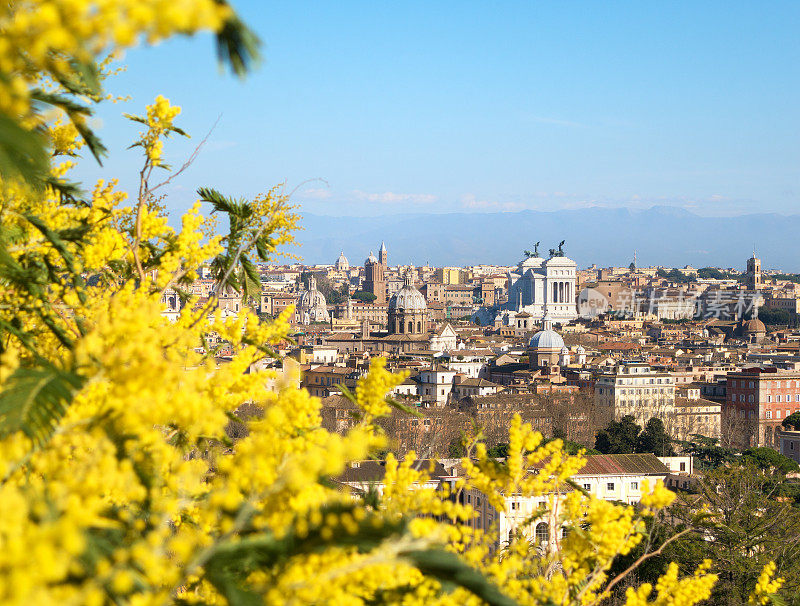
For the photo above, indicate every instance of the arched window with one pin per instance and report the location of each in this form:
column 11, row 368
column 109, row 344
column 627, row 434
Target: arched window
column 542, row 533
column 410, row 326
column 400, row 325
column 419, row 326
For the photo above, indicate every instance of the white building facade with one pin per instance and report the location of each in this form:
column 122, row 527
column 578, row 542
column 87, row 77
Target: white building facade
column 610, row 477
column 636, row 389
column 544, row 286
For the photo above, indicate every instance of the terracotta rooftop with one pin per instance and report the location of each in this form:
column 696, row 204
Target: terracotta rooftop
column 374, row 471
column 623, row 464
column 477, row 383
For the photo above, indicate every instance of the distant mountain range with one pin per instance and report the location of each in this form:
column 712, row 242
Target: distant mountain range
column 661, row 236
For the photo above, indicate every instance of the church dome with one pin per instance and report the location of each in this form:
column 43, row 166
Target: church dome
column 342, row 264
column 371, row 259
column 547, row 338
column 754, row 326
column 312, row 305
column 309, row 299
column 407, row 298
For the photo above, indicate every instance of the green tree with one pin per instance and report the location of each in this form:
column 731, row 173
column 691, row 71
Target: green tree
column 776, row 317
column 338, row 295
column 768, row 458
column 498, row 451
column 654, row 438
column 751, row 524
column 618, row 437
column 456, row 448
column 362, row 295
column 674, row 275
column 792, row 421
column 707, row 452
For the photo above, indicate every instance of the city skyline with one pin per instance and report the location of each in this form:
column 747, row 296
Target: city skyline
column 662, row 236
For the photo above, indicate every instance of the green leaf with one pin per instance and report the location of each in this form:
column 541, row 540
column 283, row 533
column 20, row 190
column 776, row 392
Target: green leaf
column 237, row 45
column 77, row 114
column 231, row 562
column 35, row 399
column 262, row 249
column 57, row 100
column 251, row 279
column 220, row 203
column 228, row 586
column 23, row 154
column 450, row 570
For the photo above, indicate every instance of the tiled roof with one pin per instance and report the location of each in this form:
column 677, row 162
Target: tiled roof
column 623, row 464
column 374, row 471
column 336, row 370
column 477, row 383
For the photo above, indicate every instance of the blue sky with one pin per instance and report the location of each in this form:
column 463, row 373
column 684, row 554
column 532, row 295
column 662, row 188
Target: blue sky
column 486, row 106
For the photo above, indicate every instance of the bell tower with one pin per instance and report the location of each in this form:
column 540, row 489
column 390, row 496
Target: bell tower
column 754, row 273
column 383, row 256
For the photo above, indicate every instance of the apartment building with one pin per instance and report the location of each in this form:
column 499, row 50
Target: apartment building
column 762, row 398
column 634, row 388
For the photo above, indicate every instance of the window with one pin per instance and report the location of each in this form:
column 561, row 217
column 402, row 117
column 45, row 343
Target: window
column 634, row 485
column 778, row 398
column 610, row 486
column 587, row 486
column 542, row 533
column 477, row 501
column 750, row 398
column 769, row 414
column 683, row 466
column 769, row 398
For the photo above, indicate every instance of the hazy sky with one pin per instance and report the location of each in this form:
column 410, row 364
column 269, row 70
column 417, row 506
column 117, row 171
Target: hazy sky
column 476, row 106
